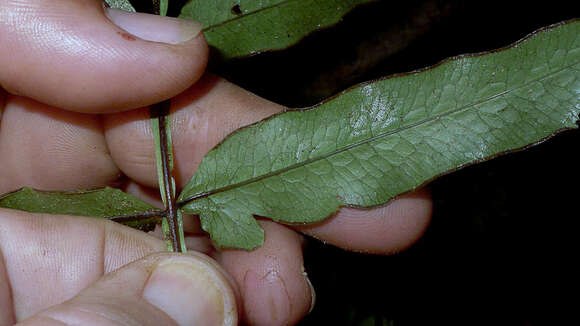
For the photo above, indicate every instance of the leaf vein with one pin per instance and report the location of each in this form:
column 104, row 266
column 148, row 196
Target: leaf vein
column 377, row 137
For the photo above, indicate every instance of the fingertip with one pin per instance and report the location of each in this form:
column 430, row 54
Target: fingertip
column 160, row 289
column 154, row 28
column 130, row 140
column 192, row 291
column 274, row 287
column 383, row 230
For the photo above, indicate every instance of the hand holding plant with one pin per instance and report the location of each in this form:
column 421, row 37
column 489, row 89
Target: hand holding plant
column 69, row 55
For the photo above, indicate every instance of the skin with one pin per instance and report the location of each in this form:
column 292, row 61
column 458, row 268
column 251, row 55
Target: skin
column 50, row 137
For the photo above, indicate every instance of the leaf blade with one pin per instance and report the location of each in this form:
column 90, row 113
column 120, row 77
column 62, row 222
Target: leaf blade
column 102, row 203
column 241, row 28
column 387, row 137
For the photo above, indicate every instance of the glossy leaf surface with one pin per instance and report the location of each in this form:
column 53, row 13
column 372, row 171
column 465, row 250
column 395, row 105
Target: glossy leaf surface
column 104, row 203
column 238, row 28
column 387, row 137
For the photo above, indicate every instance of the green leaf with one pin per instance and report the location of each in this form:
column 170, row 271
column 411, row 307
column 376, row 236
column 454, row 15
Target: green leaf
column 121, row 4
column 387, row 137
column 239, row 28
column 104, row 203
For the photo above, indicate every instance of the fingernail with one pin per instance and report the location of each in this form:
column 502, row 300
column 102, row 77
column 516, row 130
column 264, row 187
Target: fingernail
column 155, row 28
column 188, row 291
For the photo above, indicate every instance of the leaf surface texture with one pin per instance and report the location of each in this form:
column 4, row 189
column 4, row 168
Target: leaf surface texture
column 387, row 137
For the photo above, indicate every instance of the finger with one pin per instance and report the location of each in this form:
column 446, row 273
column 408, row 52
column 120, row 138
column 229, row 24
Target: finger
column 50, row 258
column 161, row 289
column 76, row 55
column 201, row 117
column 271, row 279
column 51, row 149
column 46, row 268
column 383, row 230
column 146, row 194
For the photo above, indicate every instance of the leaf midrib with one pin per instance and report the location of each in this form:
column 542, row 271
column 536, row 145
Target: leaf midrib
column 187, row 200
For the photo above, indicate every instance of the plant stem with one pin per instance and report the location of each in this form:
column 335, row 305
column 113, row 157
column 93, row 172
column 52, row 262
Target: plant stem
column 168, row 182
column 172, row 223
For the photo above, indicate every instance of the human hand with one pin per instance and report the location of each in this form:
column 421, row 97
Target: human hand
column 273, row 287
column 62, row 270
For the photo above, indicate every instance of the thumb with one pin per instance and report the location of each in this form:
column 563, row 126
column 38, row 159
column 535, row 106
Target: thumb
column 161, row 289
column 78, row 55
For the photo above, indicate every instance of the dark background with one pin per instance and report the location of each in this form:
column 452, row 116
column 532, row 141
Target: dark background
column 502, row 246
